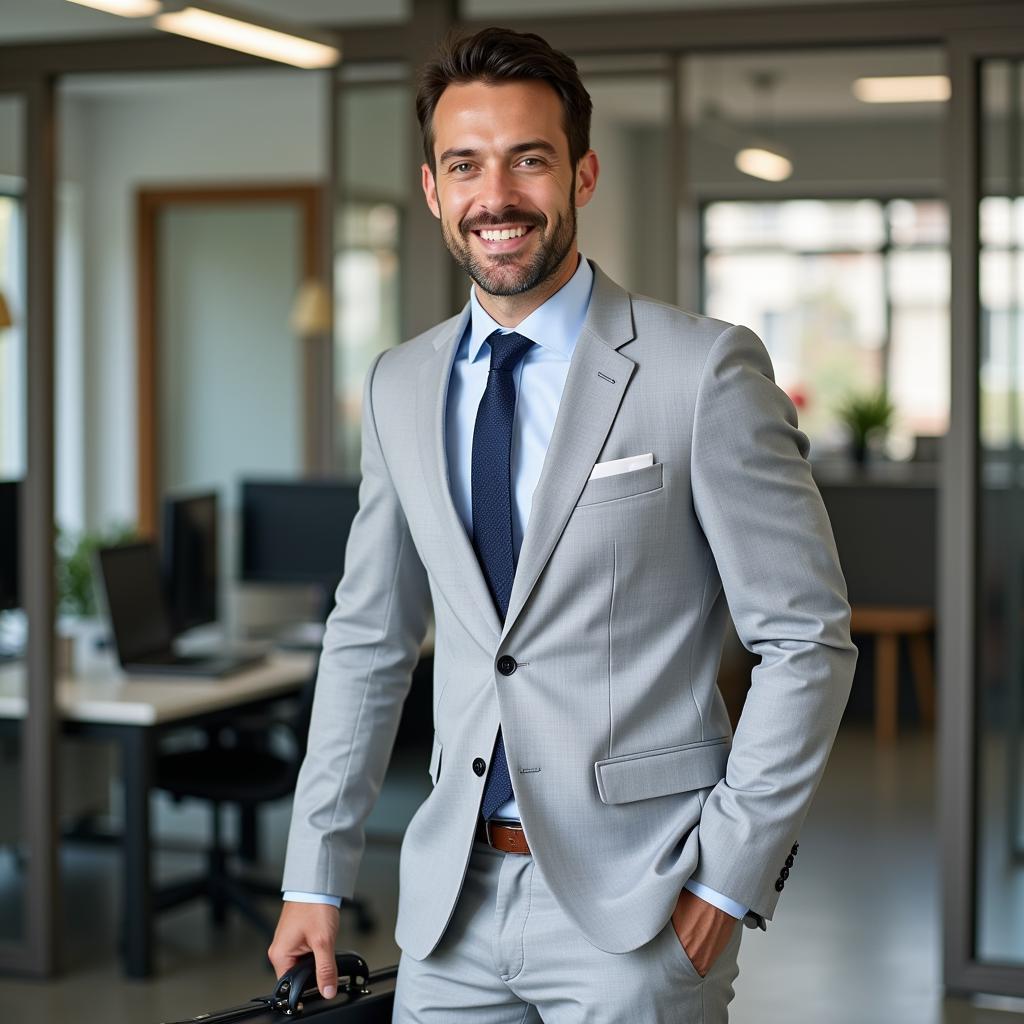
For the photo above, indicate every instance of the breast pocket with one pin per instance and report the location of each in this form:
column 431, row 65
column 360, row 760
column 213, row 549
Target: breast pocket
column 622, row 485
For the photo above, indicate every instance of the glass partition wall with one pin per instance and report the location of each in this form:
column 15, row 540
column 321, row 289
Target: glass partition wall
column 982, row 538
column 12, row 473
column 999, row 853
column 378, row 177
column 27, row 841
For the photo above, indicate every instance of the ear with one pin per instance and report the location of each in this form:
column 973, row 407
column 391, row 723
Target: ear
column 430, row 190
column 587, row 171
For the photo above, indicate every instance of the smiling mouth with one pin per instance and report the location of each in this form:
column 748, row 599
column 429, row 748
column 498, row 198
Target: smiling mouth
column 505, row 237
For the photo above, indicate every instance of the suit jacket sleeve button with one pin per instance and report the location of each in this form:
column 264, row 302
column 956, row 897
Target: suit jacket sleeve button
column 789, row 861
column 779, row 885
column 784, row 874
column 479, row 765
column 507, row 665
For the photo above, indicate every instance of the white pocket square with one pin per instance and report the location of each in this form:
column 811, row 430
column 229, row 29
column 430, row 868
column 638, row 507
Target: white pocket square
column 622, row 465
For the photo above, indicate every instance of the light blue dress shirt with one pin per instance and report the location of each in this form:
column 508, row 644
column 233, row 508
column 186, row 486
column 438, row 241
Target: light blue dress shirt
column 540, row 378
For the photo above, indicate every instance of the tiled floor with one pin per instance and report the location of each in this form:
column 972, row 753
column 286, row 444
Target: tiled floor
column 855, row 939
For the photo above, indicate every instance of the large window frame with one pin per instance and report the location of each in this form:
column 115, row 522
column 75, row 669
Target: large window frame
column 884, row 251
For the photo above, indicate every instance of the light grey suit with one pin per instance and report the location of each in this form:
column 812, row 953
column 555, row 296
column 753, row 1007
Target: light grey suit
column 621, row 755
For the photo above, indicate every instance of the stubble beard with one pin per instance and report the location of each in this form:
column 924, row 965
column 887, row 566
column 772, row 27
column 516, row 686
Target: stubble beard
column 491, row 273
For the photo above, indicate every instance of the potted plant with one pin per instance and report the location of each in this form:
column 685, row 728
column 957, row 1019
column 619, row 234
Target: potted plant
column 867, row 416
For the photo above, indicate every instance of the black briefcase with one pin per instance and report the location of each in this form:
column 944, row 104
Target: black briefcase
column 363, row 997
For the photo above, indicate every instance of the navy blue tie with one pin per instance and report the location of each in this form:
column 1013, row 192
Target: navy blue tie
column 491, row 477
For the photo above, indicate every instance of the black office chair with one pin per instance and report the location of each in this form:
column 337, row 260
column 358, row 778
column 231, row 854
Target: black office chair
column 237, row 766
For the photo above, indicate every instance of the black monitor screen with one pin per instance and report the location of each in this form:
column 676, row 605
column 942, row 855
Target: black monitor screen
column 189, row 556
column 9, row 561
column 296, row 532
column 135, row 599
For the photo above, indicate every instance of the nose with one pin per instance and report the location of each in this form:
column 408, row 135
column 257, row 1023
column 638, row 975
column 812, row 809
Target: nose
column 497, row 191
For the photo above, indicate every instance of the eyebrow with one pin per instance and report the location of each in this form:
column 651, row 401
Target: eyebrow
column 519, row 147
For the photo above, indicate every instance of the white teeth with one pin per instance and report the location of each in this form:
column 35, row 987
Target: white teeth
column 499, row 236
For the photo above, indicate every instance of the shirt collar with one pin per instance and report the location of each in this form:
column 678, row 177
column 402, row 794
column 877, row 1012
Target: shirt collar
column 555, row 324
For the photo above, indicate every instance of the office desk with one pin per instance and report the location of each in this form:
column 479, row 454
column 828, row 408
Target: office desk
column 133, row 712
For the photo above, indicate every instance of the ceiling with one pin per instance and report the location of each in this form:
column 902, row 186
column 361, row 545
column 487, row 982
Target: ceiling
column 23, row 21
column 810, row 86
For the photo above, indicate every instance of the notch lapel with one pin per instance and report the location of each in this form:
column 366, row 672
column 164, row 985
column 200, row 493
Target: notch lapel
column 462, row 580
column 594, row 387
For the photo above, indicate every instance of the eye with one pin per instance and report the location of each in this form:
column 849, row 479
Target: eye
column 533, row 160
column 460, row 168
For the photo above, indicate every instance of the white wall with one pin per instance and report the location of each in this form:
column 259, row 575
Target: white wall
column 163, row 130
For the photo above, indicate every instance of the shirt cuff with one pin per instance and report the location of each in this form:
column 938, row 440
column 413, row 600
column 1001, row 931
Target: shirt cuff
column 716, row 899
column 311, row 897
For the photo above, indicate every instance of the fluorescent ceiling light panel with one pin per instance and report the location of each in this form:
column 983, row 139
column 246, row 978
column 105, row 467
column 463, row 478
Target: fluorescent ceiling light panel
column 232, row 31
column 903, row 89
column 764, row 164
column 126, row 8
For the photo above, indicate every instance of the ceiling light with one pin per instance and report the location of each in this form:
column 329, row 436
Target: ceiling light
column 126, row 8
column 236, row 31
column 903, row 89
column 764, row 163
column 761, row 158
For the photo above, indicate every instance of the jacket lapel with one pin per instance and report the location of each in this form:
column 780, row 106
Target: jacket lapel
column 458, row 571
column 594, row 388
column 596, row 382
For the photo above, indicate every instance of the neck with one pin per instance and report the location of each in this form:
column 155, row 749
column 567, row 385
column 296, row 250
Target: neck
column 512, row 310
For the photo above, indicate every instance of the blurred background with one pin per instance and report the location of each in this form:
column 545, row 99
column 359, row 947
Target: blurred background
column 202, row 248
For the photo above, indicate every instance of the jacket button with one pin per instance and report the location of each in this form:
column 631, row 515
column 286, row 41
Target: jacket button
column 507, row 665
column 784, row 874
column 479, row 765
column 789, row 861
column 779, row 885
column 796, row 846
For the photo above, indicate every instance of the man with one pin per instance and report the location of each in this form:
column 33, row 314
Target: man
column 582, row 483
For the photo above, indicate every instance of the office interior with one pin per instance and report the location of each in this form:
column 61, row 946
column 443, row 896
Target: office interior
column 201, row 251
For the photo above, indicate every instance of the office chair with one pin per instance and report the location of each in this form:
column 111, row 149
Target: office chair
column 237, row 766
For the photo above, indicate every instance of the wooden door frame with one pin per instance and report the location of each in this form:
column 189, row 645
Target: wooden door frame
column 151, row 203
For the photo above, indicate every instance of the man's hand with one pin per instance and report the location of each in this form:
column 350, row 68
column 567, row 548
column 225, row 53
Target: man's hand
column 307, row 928
column 703, row 930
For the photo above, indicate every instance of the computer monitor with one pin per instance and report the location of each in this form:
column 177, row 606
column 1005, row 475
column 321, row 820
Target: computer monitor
column 189, row 559
column 296, row 531
column 10, row 596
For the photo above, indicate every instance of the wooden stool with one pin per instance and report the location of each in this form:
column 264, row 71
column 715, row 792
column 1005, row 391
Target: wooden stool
column 888, row 624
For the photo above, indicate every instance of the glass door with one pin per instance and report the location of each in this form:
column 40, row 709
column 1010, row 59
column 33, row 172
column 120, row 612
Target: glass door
column 983, row 533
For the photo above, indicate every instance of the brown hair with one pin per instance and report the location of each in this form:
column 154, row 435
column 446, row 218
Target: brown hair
column 501, row 55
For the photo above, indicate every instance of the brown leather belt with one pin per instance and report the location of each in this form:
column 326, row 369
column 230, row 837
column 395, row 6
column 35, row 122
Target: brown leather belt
column 507, row 836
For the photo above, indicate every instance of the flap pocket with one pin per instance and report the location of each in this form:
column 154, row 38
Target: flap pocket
column 435, row 760
column 622, row 485
column 662, row 771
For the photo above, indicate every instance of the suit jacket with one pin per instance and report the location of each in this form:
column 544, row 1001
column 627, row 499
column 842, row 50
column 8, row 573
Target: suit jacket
column 622, row 759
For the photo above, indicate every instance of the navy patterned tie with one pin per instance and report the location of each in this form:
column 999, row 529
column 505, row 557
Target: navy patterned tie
column 492, row 509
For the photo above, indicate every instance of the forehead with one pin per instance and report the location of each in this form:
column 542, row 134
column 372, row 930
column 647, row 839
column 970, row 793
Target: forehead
column 482, row 115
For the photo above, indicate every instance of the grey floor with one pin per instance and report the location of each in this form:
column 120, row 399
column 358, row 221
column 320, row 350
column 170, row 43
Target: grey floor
column 855, row 938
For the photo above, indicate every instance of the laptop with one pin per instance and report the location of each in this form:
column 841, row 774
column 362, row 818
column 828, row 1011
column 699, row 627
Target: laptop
column 141, row 620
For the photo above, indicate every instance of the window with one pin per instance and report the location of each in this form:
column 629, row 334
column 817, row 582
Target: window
column 848, row 296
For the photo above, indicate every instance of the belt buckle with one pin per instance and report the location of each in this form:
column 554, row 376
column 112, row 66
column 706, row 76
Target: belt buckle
column 505, row 822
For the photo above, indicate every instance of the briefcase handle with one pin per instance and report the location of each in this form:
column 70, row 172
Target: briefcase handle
column 299, row 982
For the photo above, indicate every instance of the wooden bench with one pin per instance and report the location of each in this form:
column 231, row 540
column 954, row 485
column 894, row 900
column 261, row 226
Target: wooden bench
column 887, row 625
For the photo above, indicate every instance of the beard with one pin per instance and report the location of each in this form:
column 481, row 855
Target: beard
column 501, row 273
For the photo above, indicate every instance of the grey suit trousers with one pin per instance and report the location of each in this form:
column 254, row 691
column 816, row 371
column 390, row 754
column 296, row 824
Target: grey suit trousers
column 511, row 956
